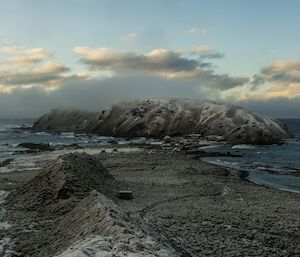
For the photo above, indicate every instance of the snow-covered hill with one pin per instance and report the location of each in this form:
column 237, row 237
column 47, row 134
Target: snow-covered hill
column 160, row 117
column 64, row 120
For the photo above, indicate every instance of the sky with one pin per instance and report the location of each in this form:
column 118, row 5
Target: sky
column 90, row 54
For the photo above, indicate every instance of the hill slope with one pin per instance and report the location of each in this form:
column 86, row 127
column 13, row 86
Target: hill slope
column 64, row 120
column 161, row 117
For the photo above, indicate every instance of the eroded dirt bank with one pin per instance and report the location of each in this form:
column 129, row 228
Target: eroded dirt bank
column 179, row 204
column 64, row 211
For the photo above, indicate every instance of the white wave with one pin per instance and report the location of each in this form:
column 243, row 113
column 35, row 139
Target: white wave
column 243, row 147
column 67, row 135
column 210, row 146
column 42, row 134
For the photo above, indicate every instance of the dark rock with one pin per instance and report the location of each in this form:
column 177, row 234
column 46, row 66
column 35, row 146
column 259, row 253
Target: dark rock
column 36, row 146
column 125, row 195
column 113, row 142
column 167, row 139
column 76, row 146
column 202, row 153
column 6, row 162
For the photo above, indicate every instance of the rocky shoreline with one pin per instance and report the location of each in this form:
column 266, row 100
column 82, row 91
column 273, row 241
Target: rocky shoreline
column 180, row 207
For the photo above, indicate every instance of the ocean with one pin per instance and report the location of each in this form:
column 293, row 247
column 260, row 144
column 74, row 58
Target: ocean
column 276, row 166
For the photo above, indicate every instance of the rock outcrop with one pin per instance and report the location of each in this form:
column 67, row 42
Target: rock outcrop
column 177, row 117
column 36, row 146
column 161, row 117
column 64, row 120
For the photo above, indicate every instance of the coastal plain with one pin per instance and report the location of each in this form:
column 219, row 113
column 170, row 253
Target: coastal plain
column 185, row 206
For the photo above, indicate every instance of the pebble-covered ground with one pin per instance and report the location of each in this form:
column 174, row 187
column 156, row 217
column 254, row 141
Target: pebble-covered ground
column 196, row 208
column 206, row 211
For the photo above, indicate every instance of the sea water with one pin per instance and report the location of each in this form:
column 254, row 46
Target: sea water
column 275, row 166
column 12, row 133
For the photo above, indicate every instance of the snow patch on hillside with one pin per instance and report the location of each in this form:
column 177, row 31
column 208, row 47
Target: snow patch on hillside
column 160, row 117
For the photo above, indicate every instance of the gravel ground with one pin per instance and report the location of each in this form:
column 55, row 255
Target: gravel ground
column 204, row 210
column 196, row 208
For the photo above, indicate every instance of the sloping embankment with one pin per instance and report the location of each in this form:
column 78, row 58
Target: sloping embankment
column 61, row 212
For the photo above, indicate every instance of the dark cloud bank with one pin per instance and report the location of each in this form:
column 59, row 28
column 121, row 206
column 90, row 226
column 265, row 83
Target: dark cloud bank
column 90, row 95
column 98, row 94
column 278, row 107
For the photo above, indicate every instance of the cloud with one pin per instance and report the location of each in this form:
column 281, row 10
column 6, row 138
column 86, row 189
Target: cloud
column 224, row 81
column 28, row 77
column 30, row 56
column 26, row 87
column 198, row 32
column 160, row 62
column 93, row 94
column 5, row 41
column 280, row 72
column 129, row 39
column 280, row 79
column 13, row 49
column 49, row 75
column 48, row 72
column 206, row 52
column 25, row 68
column 270, row 92
column 5, row 89
column 97, row 94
